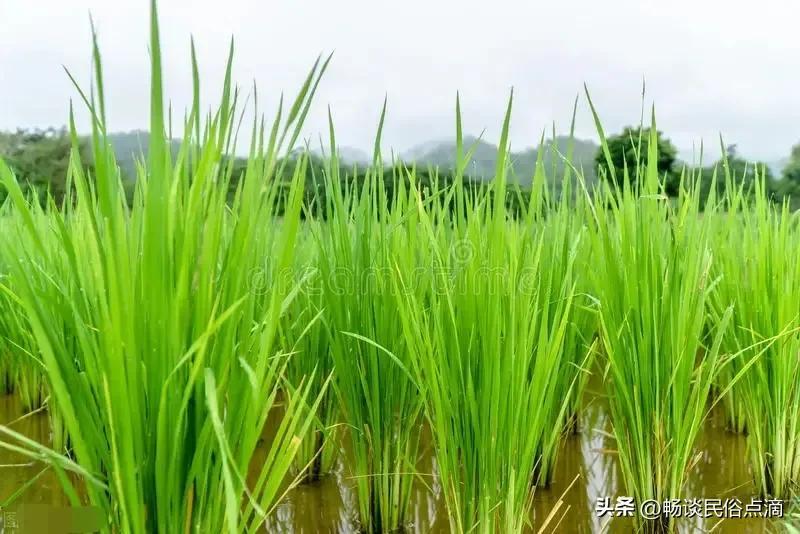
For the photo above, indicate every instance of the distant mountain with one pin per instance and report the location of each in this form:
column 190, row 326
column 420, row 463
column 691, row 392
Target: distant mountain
column 442, row 154
column 130, row 147
column 710, row 158
column 348, row 155
column 351, row 155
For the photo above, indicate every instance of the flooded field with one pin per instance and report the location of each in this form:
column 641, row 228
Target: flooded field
column 586, row 470
column 19, row 476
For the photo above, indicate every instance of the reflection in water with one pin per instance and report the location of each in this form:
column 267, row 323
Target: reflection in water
column 585, row 456
column 721, row 471
column 317, row 507
column 17, row 470
column 329, row 505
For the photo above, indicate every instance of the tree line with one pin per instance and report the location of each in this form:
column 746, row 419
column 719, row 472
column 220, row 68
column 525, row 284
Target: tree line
column 629, row 148
column 40, row 159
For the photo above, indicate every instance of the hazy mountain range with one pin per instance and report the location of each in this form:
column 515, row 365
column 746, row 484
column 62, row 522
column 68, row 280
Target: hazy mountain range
column 523, row 163
column 129, row 146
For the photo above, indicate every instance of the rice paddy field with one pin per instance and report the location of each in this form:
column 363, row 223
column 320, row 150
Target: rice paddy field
column 409, row 355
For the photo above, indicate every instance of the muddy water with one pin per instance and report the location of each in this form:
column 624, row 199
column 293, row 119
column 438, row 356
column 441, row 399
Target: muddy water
column 330, row 505
column 16, row 470
column 586, row 469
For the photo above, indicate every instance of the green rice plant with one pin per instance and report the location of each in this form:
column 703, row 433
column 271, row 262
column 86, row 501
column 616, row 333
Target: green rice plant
column 571, row 213
column 653, row 281
column 488, row 345
column 162, row 360
column 727, row 231
column 561, row 225
column 580, row 344
column 6, row 308
column 22, row 368
column 732, row 403
column 8, row 361
column 22, row 353
column 365, row 236
column 791, row 522
column 305, row 336
column 8, row 321
column 760, row 278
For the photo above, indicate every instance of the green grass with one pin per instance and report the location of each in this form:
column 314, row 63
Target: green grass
column 760, row 277
column 161, row 360
column 24, row 367
column 200, row 352
column 358, row 247
column 21, row 372
column 488, row 347
column 653, row 280
column 305, row 336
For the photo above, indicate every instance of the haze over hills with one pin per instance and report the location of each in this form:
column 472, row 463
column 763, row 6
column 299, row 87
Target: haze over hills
column 348, row 155
column 129, row 146
column 132, row 146
column 692, row 157
column 523, row 163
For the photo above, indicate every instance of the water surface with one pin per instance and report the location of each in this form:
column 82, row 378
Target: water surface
column 586, row 470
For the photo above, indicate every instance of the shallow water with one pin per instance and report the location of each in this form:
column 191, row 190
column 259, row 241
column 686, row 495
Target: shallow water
column 329, row 505
column 721, row 472
column 17, row 470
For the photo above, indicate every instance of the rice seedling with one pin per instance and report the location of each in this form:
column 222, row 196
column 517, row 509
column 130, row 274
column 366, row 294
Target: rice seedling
column 201, row 351
column 22, row 368
column 570, row 212
column 305, row 336
column 580, row 343
column 724, row 390
column 560, row 223
column 653, row 282
column 791, row 523
column 760, row 278
column 732, row 404
column 365, row 235
column 488, row 346
column 27, row 368
column 6, row 308
column 160, row 358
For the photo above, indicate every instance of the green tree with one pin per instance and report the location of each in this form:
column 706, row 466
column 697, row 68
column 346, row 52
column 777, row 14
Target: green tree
column 742, row 173
column 40, row 159
column 787, row 189
column 791, row 172
column 628, row 149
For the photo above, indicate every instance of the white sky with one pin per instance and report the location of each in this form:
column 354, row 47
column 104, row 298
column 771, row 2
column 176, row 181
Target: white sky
column 711, row 66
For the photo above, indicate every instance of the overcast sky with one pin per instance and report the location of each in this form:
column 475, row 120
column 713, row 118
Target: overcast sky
column 711, row 66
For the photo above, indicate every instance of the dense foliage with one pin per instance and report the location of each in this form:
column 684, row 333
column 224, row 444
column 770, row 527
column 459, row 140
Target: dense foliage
column 40, row 159
column 626, row 153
